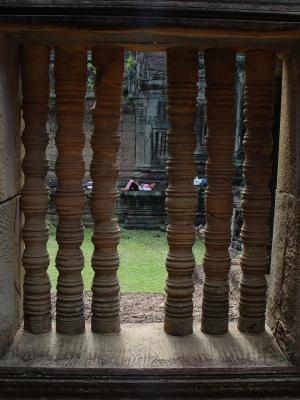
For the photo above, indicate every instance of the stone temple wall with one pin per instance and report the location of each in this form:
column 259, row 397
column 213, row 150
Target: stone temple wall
column 10, row 188
column 284, row 285
column 143, row 129
column 144, row 124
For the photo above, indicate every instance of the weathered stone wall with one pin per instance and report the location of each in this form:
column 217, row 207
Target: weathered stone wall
column 127, row 148
column 284, row 297
column 144, row 125
column 10, row 187
column 147, row 92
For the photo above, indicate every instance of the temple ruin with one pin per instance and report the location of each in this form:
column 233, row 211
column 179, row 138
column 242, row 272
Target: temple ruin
column 206, row 42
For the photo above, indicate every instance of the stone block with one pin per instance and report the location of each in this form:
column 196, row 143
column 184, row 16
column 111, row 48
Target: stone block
column 284, row 308
column 283, row 217
column 10, row 271
column 10, row 157
column 142, row 210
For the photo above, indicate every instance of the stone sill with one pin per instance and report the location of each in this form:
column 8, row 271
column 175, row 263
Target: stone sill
column 144, row 346
column 142, row 362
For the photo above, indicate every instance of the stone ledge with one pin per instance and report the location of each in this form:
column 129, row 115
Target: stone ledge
column 160, row 384
column 144, row 346
column 144, row 363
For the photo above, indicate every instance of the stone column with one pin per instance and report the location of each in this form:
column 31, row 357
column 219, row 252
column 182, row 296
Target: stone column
column 104, row 172
column 220, row 95
column 70, row 75
column 283, row 313
column 34, row 202
column 256, row 196
column 181, row 199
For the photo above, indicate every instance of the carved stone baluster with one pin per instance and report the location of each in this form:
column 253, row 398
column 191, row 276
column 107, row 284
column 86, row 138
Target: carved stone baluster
column 109, row 63
column 220, row 95
column 256, row 197
column 70, row 76
column 35, row 86
column 181, row 199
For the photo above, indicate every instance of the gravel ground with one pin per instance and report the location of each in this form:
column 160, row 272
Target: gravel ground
column 149, row 307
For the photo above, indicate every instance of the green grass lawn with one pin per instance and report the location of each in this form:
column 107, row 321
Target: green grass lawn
column 142, row 260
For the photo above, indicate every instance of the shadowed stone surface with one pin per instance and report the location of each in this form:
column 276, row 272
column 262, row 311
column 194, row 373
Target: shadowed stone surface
column 10, row 181
column 10, row 287
column 284, row 303
column 144, row 346
column 10, row 161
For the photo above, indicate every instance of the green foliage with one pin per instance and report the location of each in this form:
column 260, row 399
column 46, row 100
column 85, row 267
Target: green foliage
column 238, row 163
column 142, row 260
column 129, row 63
column 91, row 76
